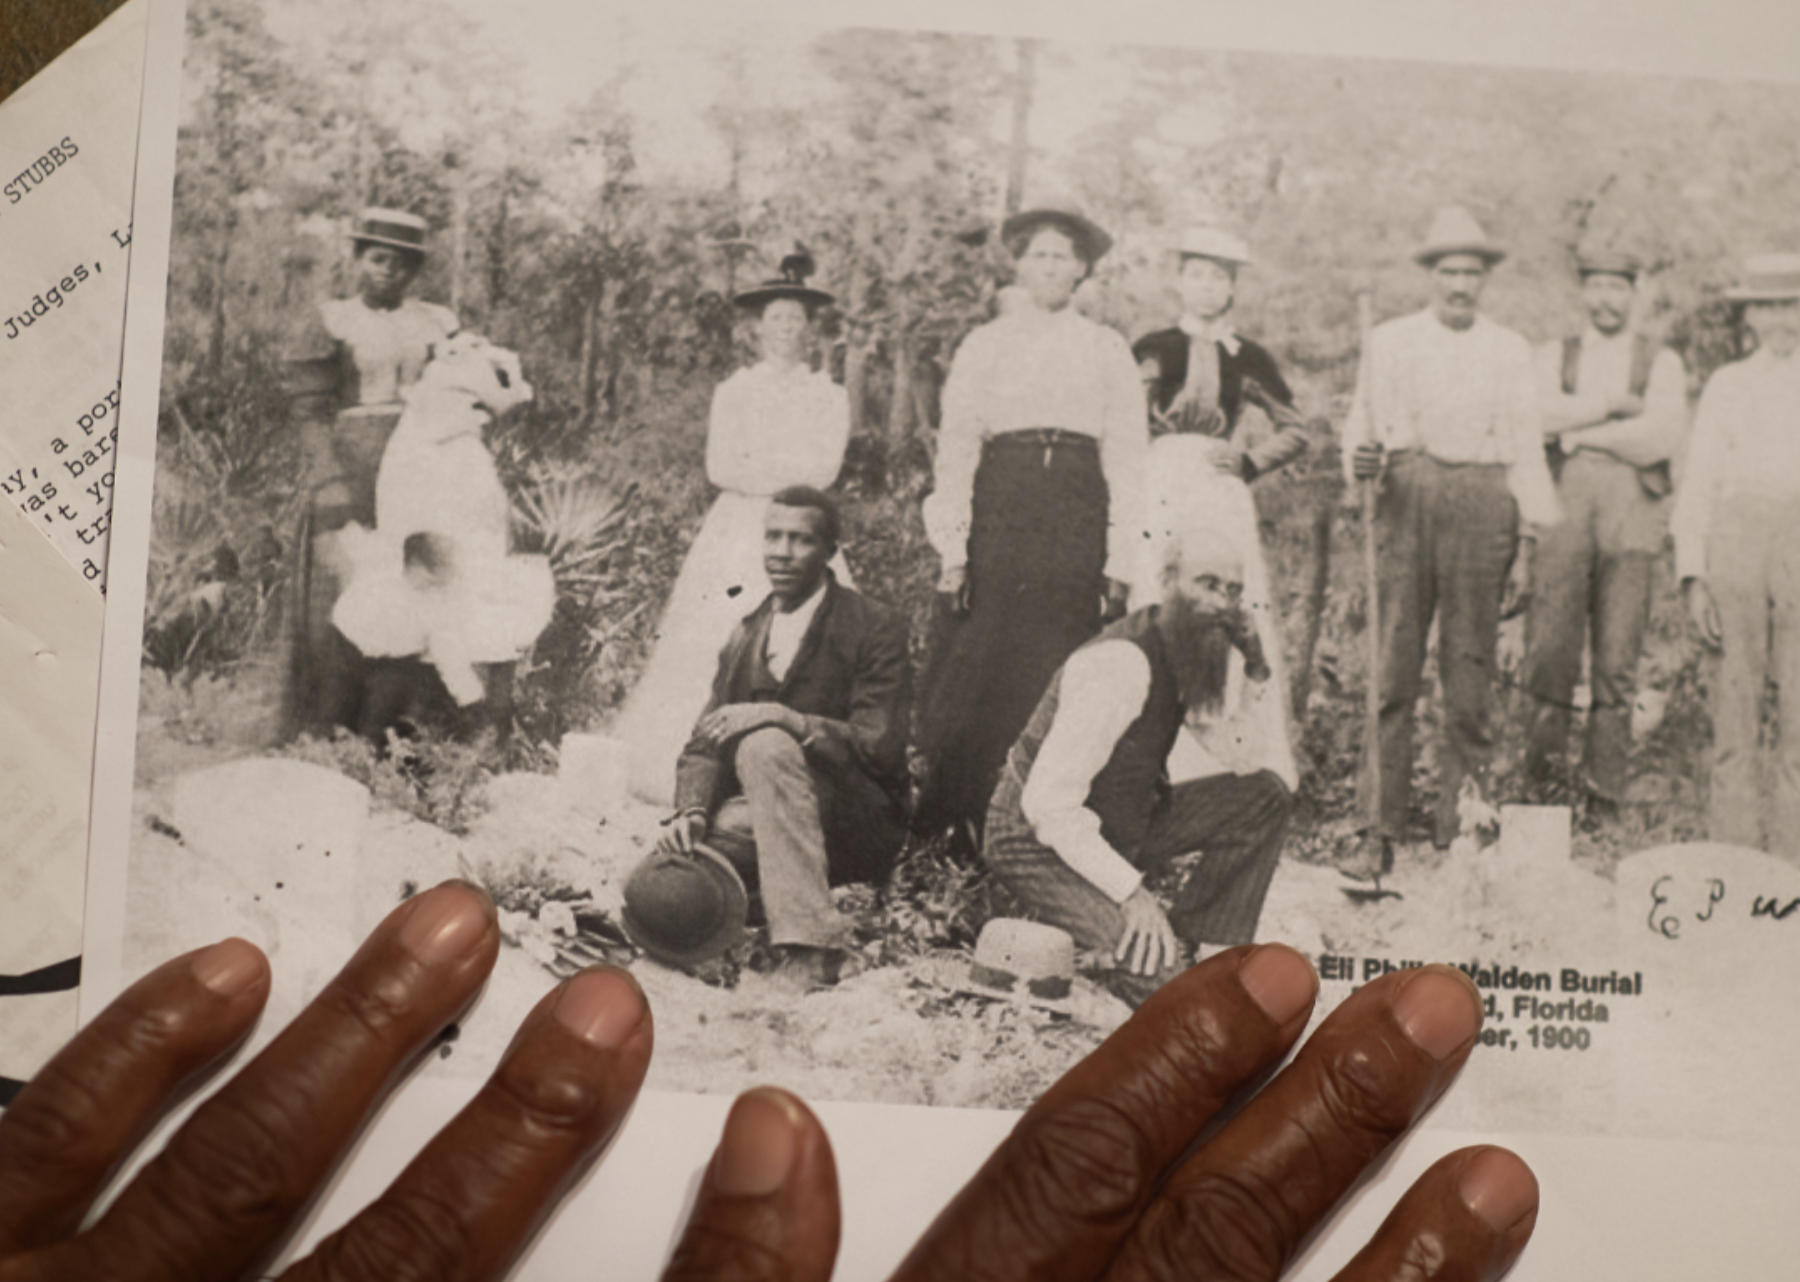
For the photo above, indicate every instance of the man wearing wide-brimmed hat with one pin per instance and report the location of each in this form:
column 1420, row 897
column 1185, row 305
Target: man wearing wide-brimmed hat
column 1446, row 420
column 1737, row 554
column 1614, row 402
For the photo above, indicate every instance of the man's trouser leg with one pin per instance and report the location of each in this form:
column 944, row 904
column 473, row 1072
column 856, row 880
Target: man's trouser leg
column 791, row 862
column 1621, row 612
column 1238, row 824
column 1475, row 524
column 1738, row 559
column 1784, row 594
column 1046, row 889
column 1555, row 626
column 1407, row 598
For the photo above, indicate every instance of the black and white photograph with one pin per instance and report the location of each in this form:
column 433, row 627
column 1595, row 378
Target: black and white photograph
column 909, row 540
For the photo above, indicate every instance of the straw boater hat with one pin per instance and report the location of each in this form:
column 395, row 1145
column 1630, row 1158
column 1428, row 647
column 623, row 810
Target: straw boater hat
column 393, row 227
column 683, row 909
column 1455, row 231
column 789, row 282
column 1215, row 243
column 1609, row 262
column 1090, row 239
column 1768, row 278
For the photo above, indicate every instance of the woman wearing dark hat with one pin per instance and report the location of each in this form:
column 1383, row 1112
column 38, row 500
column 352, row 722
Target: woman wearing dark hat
column 1033, row 512
column 774, row 424
column 1201, row 374
column 346, row 377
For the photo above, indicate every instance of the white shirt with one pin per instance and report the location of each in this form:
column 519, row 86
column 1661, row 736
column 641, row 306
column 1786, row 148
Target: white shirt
column 1461, row 396
column 774, row 428
column 1104, row 687
column 1032, row 368
column 787, row 630
column 1746, row 444
column 1602, row 375
column 389, row 348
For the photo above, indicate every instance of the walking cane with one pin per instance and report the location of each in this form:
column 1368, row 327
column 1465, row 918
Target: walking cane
column 1372, row 698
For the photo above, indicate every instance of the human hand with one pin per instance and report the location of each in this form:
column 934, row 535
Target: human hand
column 1116, row 599
column 734, row 720
column 1365, row 463
column 1097, row 1180
column 953, row 583
column 1703, row 611
column 221, row 1198
column 683, row 832
column 1148, row 945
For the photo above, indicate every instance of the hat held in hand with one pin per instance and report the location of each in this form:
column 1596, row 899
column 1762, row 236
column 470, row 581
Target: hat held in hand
column 684, row 908
column 1023, row 961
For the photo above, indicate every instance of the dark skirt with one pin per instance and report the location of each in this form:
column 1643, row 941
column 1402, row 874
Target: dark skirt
column 1037, row 562
column 327, row 683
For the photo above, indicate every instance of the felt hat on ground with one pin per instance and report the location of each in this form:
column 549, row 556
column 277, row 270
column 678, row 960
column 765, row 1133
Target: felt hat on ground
column 1455, row 231
column 1215, row 243
column 1768, row 278
column 1609, row 262
column 393, row 227
column 788, row 282
column 1090, row 239
column 1023, row 961
column 685, row 908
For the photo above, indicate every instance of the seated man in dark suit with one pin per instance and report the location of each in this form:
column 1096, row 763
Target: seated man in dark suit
column 1086, row 806
column 796, row 770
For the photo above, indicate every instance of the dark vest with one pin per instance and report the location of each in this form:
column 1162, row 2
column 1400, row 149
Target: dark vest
column 1655, row 479
column 1136, row 777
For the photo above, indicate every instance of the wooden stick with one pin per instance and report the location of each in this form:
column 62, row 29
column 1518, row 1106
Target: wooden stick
column 1372, row 584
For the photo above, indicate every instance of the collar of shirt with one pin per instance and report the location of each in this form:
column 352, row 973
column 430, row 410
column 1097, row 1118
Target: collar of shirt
column 1216, row 330
column 787, row 629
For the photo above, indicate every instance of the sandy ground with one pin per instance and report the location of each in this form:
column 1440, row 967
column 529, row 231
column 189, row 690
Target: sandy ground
column 215, row 852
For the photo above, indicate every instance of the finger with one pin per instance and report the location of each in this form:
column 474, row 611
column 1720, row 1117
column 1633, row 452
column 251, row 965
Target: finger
column 1242, row 1204
column 768, row 1205
column 219, row 1197
column 1056, row 1198
column 1464, row 1220
column 89, row 1107
column 479, row 1190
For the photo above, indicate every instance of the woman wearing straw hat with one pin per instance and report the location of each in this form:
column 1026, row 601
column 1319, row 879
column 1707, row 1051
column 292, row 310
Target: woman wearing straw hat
column 775, row 424
column 1737, row 555
column 1201, row 374
column 1033, row 510
column 347, row 375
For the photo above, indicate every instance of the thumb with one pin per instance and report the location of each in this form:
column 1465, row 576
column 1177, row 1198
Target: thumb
column 767, row 1208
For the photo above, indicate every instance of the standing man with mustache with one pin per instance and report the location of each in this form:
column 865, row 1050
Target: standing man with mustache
column 1446, row 420
column 1615, row 409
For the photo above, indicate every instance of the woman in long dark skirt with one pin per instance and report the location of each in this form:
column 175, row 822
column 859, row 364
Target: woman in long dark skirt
column 1034, row 511
column 347, row 373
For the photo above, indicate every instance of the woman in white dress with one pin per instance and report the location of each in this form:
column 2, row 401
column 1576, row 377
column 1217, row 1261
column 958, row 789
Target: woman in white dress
column 775, row 424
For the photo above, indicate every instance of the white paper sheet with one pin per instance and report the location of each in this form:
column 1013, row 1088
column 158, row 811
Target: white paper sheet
column 1641, row 1205
column 68, row 144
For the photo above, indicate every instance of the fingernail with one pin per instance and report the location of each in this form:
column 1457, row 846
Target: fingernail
column 448, row 921
column 1439, row 1010
column 757, row 1151
column 1499, row 1187
column 602, row 1006
column 229, row 967
column 1280, row 981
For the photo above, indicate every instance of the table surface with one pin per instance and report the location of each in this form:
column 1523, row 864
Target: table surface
column 37, row 30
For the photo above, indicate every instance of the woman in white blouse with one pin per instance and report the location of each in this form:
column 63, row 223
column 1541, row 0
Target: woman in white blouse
column 1033, row 513
column 775, row 424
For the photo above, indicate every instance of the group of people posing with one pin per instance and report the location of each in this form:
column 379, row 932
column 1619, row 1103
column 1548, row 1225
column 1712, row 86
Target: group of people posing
column 1103, row 694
